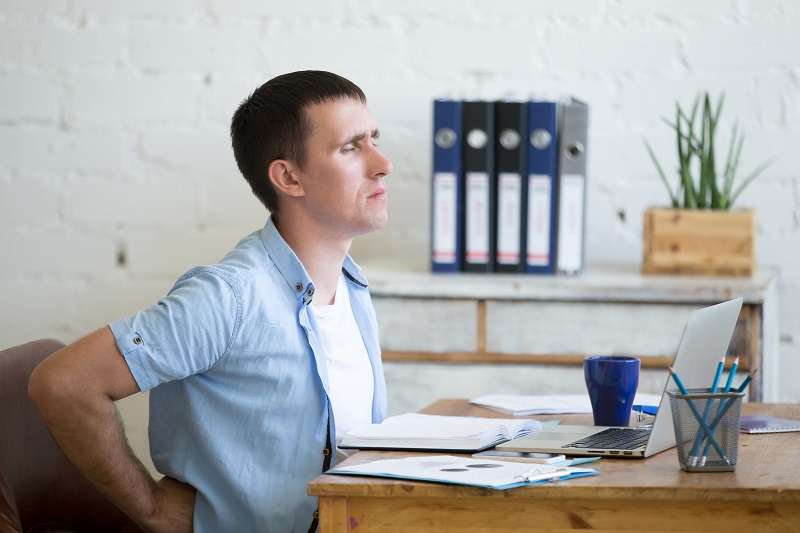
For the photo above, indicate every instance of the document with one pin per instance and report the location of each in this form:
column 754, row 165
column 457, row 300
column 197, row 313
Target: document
column 549, row 405
column 487, row 473
column 768, row 424
column 413, row 431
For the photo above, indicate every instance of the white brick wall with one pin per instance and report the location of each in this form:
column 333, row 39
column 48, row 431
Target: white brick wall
column 114, row 125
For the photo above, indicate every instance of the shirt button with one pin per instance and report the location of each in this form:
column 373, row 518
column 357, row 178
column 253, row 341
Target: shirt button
column 137, row 340
column 326, row 452
column 298, row 287
column 310, row 292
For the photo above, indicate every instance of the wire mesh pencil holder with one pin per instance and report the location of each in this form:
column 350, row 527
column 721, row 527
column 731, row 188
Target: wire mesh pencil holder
column 706, row 429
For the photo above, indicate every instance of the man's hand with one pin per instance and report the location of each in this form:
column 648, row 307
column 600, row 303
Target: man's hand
column 75, row 390
column 175, row 507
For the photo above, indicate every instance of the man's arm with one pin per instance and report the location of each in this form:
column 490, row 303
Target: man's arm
column 75, row 390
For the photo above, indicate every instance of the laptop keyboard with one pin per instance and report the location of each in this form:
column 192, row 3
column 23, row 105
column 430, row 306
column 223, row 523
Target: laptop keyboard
column 613, row 439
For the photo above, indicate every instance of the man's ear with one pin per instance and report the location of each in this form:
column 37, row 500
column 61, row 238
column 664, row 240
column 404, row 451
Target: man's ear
column 281, row 175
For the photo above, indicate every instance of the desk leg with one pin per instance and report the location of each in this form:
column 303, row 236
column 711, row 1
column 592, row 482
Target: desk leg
column 333, row 514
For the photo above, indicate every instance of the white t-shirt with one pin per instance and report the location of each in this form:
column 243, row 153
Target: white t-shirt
column 350, row 377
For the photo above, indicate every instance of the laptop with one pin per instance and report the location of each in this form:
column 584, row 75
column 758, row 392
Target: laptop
column 705, row 339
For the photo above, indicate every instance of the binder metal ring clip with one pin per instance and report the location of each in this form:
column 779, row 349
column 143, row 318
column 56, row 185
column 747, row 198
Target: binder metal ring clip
column 445, row 138
column 574, row 151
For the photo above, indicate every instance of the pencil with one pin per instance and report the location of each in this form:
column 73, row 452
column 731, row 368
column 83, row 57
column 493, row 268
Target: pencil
column 726, row 389
column 732, row 373
column 730, row 402
column 678, row 381
column 747, row 381
column 698, row 441
column 697, row 415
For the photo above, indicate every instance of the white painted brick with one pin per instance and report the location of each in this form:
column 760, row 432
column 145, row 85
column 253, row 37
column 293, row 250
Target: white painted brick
column 779, row 143
column 103, row 301
column 758, row 47
column 445, row 48
column 221, row 95
column 771, row 10
column 29, row 97
column 342, row 45
column 615, row 49
column 774, row 203
column 124, row 10
column 56, row 254
column 647, row 101
column 229, row 205
column 57, row 48
column 407, row 101
column 198, row 151
column 26, row 203
column 16, row 43
column 207, row 48
column 260, row 8
column 34, row 309
column 40, row 150
column 675, row 9
column 145, row 205
column 781, row 251
column 170, row 255
column 32, row 8
column 112, row 99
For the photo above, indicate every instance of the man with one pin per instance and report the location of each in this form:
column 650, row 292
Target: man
column 254, row 363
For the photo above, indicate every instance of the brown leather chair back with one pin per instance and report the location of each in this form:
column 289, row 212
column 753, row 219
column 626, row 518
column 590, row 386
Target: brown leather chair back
column 40, row 489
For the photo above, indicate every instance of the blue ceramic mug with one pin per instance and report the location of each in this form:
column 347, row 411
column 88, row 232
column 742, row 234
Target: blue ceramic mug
column 611, row 382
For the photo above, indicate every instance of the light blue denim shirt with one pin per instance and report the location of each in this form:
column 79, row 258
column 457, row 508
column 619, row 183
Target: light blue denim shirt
column 238, row 407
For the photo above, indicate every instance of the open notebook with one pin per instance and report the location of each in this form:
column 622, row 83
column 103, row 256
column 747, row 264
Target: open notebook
column 455, row 434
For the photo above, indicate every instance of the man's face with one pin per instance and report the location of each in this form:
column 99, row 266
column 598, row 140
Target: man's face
column 343, row 178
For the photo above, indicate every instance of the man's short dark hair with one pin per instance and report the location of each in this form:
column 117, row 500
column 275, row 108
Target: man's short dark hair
column 272, row 123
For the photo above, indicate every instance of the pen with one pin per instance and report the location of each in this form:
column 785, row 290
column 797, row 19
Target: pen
column 541, row 476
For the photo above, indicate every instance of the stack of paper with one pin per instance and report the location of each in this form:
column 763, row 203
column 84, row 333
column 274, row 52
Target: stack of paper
column 549, row 405
column 413, row 431
column 466, row 471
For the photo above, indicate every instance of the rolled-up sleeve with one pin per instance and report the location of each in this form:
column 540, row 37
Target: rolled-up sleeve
column 183, row 334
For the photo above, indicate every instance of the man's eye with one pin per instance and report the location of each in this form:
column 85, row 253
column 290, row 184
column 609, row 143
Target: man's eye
column 349, row 148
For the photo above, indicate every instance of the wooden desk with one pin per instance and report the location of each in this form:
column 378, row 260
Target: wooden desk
column 653, row 494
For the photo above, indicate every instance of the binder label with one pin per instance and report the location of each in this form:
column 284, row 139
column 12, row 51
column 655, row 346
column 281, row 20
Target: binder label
column 477, row 217
column 539, row 191
column 444, row 212
column 570, row 223
column 509, row 215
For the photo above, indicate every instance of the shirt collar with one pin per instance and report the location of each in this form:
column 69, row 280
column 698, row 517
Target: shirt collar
column 292, row 269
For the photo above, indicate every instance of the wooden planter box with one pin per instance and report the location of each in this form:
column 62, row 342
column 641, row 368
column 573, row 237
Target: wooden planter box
column 699, row 242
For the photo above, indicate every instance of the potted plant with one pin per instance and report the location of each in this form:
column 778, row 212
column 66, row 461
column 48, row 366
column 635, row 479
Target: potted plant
column 700, row 233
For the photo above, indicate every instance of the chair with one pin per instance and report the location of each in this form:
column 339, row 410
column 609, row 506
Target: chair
column 40, row 489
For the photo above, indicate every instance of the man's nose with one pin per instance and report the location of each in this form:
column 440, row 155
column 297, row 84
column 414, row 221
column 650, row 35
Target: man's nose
column 382, row 165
